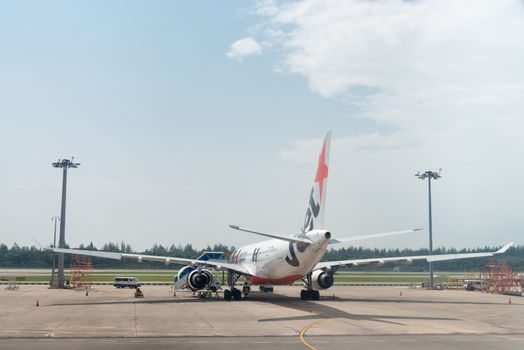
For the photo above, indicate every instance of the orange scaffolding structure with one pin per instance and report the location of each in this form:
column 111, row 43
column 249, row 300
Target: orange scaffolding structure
column 499, row 278
column 81, row 272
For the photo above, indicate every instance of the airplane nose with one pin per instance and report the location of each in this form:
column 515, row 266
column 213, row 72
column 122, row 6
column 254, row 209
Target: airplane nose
column 327, row 235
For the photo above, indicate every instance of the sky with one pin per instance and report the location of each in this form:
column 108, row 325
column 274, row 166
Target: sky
column 190, row 116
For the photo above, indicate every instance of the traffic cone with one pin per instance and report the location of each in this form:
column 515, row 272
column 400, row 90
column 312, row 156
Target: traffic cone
column 37, row 303
column 509, row 301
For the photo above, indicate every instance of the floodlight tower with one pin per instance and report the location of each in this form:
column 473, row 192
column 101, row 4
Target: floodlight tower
column 430, row 175
column 64, row 164
column 53, row 277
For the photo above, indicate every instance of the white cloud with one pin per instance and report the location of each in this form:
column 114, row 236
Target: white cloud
column 396, row 45
column 447, row 76
column 244, row 47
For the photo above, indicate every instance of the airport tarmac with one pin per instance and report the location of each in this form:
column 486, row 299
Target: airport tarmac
column 392, row 342
column 359, row 315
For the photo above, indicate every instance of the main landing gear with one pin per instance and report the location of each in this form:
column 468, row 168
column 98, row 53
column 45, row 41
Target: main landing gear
column 309, row 293
column 232, row 292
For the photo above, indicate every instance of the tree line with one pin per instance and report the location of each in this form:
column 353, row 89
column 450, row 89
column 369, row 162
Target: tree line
column 32, row 257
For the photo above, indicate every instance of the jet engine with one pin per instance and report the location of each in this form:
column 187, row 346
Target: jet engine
column 192, row 278
column 322, row 279
column 199, row 279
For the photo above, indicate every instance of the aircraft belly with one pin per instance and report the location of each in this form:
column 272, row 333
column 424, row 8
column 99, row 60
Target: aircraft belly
column 280, row 271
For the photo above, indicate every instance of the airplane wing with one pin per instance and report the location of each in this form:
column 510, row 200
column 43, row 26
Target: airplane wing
column 374, row 235
column 217, row 264
column 334, row 265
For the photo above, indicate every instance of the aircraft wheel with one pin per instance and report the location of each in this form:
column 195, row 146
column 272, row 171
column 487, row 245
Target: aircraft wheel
column 237, row 295
column 304, row 294
column 227, row 295
column 315, row 295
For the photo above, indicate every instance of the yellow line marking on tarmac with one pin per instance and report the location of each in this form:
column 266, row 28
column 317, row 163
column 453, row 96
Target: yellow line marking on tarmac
column 303, row 332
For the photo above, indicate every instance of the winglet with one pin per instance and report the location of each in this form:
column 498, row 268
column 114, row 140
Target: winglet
column 503, row 249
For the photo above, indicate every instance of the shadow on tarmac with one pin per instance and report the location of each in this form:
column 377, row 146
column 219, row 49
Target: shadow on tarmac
column 276, row 299
column 142, row 301
column 322, row 311
column 316, row 310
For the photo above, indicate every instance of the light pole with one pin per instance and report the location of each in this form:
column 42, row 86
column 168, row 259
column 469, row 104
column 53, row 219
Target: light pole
column 64, row 164
column 429, row 175
column 53, row 279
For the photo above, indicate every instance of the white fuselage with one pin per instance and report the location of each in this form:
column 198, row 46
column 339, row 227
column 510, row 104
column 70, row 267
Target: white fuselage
column 279, row 262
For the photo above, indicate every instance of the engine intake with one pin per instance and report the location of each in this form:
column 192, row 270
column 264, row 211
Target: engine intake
column 199, row 279
column 322, row 279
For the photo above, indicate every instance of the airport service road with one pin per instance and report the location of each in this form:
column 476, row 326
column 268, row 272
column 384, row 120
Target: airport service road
column 108, row 312
column 401, row 342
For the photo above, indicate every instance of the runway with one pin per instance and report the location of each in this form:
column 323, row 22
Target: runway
column 345, row 316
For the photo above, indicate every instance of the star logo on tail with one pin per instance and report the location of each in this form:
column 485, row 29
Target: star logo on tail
column 322, row 170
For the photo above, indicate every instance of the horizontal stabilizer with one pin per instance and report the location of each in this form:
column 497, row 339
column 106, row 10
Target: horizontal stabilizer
column 206, row 256
column 371, row 236
column 271, row 235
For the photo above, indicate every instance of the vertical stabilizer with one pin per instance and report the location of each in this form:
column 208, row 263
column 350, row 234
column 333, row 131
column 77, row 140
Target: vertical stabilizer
column 317, row 198
column 206, row 256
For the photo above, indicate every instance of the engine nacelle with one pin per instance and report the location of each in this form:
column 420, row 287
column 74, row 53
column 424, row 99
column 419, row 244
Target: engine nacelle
column 322, row 279
column 190, row 277
column 183, row 273
column 199, row 279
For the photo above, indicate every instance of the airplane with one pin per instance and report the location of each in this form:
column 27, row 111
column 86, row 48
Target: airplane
column 283, row 259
